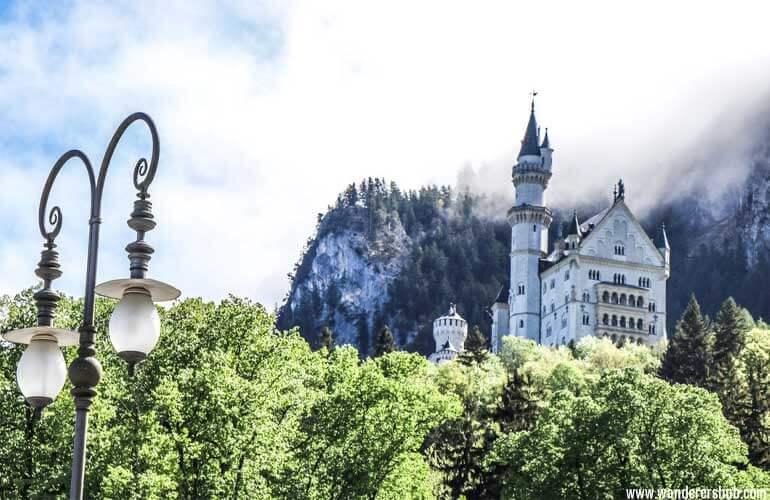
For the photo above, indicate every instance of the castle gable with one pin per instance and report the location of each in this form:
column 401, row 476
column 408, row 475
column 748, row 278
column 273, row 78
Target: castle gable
column 619, row 236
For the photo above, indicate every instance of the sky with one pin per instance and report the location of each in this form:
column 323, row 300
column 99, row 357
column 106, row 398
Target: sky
column 267, row 110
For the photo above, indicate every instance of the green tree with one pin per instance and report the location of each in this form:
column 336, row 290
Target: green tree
column 458, row 448
column 754, row 409
column 688, row 356
column 385, row 343
column 730, row 330
column 326, row 339
column 475, row 347
column 361, row 434
column 630, row 430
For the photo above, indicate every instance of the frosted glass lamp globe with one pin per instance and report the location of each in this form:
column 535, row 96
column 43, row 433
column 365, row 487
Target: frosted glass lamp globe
column 134, row 325
column 41, row 371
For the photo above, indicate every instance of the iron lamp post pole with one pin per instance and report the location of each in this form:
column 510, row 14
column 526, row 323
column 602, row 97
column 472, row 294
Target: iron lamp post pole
column 86, row 371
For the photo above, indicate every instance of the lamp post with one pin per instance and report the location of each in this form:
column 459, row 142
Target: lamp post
column 134, row 326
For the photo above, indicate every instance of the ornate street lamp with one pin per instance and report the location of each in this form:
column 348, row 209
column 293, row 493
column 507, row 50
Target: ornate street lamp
column 134, row 326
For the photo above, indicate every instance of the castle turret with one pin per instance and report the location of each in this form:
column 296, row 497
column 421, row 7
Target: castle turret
column 572, row 240
column 661, row 243
column 530, row 220
column 500, row 313
column 449, row 333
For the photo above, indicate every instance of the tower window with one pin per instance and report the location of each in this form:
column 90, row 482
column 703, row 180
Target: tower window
column 593, row 274
column 620, row 250
column 553, row 284
column 534, row 228
column 521, row 323
column 586, row 320
column 566, row 276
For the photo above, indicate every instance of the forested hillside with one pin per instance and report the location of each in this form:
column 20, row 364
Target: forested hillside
column 409, row 253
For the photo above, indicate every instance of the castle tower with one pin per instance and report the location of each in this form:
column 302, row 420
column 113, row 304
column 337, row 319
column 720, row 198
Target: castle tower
column 449, row 333
column 530, row 220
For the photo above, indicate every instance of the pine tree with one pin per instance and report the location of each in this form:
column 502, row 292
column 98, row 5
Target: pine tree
column 519, row 404
column 475, row 348
column 326, row 339
column 755, row 411
column 688, row 355
column 384, row 343
column 730, row 331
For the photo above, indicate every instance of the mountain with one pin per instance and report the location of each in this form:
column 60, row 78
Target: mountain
column 384, row 256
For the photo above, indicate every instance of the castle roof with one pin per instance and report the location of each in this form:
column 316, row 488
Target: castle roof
column 529, row 145
column 546, row 143
column 661, row 240
column 452, row 314
column 574, row 227
column 502, row 295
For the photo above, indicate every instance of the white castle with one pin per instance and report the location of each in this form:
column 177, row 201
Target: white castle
column 606, row 277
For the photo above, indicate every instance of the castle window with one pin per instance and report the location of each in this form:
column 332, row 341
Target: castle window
column 564, row 322
column 620, row 250
column 632, row 301
column 586, row 320
column 614, row 299
column 534, row 228
column 622, row 322
column 563, row 341
column 593, row 274
column 520, row 290
column 548, row 331
column 566, row 299
column 606, row 319
column 553, row 308
column 614, row 320
column 640, row 302
column 651, row 306
column 586, row 297
column 639, row 324
column 606, row 297
column 553, row 284
column 623, row 300
column 521, row 323
column 566, row 276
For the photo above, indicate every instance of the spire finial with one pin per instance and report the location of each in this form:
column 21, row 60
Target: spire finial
column 533, row 94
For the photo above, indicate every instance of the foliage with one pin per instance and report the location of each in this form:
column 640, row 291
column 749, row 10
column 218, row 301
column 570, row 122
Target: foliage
column 384, row 343
column 229, row 407
column 689, row 353
column 629, row 430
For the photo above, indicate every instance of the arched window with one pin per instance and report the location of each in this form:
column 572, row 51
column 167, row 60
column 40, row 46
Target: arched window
column 606, row 319
column 639, row 324
column 566, row 275
column 640, row 302
column 614, row 297
column 614, row 320
column 614, row 338
column 553, row 284
column 606, row 297
column 632, row 301
column 586, row 297
column 622, row 322
column 623, row 300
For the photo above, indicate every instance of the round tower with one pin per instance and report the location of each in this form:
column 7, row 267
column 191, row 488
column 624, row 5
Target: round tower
column 530, row 220
column 449, row 333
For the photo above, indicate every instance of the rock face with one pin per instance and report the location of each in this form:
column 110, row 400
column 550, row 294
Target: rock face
column 346, row 274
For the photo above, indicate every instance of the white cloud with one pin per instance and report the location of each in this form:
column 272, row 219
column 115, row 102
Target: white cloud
column 267, row 110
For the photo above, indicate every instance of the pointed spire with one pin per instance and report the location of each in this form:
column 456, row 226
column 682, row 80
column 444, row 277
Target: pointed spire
column 574, row 227
column 661, row 239
column 529, row 145
column 546, row 143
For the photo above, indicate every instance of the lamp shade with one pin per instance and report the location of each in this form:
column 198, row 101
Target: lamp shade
column 41, row 372
column 135, row 324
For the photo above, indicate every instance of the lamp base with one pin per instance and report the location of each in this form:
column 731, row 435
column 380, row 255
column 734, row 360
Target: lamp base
column 132, row 358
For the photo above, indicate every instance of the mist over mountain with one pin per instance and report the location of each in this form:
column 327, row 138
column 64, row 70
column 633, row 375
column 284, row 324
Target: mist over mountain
column 383, row 256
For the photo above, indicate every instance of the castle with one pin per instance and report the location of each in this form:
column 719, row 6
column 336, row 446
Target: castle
column 606, row 277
